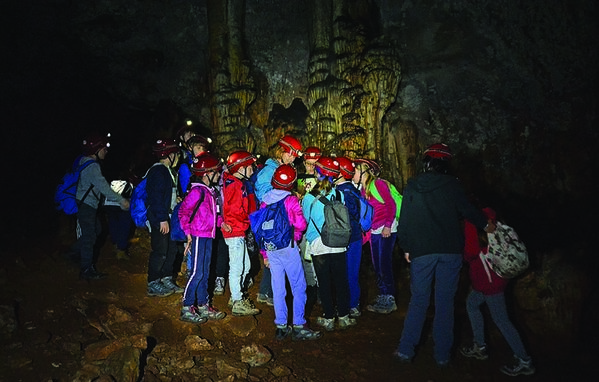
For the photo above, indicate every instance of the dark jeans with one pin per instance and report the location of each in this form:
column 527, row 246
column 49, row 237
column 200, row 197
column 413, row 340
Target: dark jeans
column 89, row 223
column 331, row 272
column 119, row 226
column 220, row 253
column 162, row 256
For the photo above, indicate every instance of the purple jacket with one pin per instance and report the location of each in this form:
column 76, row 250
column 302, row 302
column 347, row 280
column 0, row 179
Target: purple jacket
column 206, row 219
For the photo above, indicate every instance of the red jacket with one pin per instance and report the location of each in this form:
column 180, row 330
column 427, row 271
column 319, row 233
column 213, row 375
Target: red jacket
column 237, row 206
column 472, row 249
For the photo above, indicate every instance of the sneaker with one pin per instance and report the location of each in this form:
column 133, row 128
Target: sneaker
column 91, row 273
column 355, row 312
column 244, row 307
column 520, row 367
column 304, row 333
column 265, row 299
column 170, row 284
column 282, row 332
column 190, row 314
column 402, row 357
column 157, row 289
column 210, row 313
column 346, row 321
column 383, row 304
column 475, row 351
column 219, row 286
column 327, row 323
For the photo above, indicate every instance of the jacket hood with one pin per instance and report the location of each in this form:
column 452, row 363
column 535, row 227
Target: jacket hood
column 274, row 196
column 430, row 181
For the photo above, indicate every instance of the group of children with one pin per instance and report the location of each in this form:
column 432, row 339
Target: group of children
column 216, row 200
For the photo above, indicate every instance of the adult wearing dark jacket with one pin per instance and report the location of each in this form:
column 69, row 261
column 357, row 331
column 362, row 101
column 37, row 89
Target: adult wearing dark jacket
column 430, row 233
column 161, row 188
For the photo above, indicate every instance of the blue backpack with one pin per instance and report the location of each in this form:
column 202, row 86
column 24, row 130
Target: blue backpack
column 137, row 205
column 66, row 192
column 366, row 210
column 271, row 226
column 177, row 233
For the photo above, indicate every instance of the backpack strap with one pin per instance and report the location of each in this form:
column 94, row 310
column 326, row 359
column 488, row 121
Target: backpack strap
column 80, row 170
column 197, row 207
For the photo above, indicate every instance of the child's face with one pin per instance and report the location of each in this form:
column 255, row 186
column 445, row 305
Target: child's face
column 249, row 171
column 357, row 175
column 309, row 164
column 197, row 149
column 287, row 158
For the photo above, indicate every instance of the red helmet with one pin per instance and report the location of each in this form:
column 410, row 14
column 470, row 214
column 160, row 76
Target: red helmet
column 164, row 147
column 284, row 177
column 199, row 139
column 327, row 166
column 312, row 152
column 238, row 159
column 94, row 143
column 439, row 151
column 372, row 165
column 291, row 145
column 347, row 168
column 205, row 163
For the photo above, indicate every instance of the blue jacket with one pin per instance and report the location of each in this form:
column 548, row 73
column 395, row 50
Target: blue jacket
column 314, row 213
column 352, row 202
column 264, row 178
column 162, row 192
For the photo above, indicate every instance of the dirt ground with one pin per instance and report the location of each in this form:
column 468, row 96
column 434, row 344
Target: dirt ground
column 51, row 333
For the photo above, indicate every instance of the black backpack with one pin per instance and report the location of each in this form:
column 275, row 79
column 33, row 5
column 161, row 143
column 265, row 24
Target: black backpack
column 336, row 230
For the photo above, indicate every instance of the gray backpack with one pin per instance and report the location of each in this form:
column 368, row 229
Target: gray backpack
column 336, row 230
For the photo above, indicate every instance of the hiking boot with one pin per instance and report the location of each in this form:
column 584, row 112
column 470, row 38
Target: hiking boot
column 282, row 332
column 475, row 351
column 122, row 254
column 346, row 321
column 91, row 273
column 157, row 289
column 402, row 357
column 244, row 307
column 190, row 314
column 355, row 312
column 520, row 367
column 327, row 323
column 265, row 299
column 210, row 313
column 304, row 333
column 383, row 304
column 219, row 286
column 170, row 284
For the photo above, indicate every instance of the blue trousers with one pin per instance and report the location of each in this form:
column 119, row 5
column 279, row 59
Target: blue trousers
column 498, row 310
column 196, row 290
column 444, row 270
column 354, row 257
column 287, row 262
column 381, row 249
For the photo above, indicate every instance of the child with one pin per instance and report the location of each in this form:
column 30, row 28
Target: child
column 383, row 233
column 286, row 151
column 236, row 210
column 199, row 218
column 161, row 188
column 287, row 261
column 330, row 263
column 488, row 287
column 197, row 145
column 354, row 250
column 90, row 188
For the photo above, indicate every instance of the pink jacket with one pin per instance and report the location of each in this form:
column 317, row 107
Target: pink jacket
column 206, row 219
column 384, row 213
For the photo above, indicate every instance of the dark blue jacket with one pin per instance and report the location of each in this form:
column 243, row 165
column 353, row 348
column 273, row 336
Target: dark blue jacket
column 160, row 190
column 432, row 211
column 352, row 202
